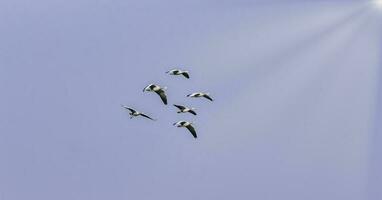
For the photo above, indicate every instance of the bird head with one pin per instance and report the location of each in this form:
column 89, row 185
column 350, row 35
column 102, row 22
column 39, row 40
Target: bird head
column 123, row 106
column 146, row 88
column 170, row 71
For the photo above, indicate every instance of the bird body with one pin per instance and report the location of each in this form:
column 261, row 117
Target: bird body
column 200, row 94
column 179, row 72
column 134, row 113
column 184, row 109
column 157, row 89
column 187, row 125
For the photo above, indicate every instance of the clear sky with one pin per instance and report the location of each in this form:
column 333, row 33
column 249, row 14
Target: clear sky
column 297, row 86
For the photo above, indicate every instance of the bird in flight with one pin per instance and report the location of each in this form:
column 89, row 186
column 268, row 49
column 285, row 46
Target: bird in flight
column 187, row 125
column 200, row 94
column 157, row 89
column 184, row 109
column 179, row 72
column 134, row 113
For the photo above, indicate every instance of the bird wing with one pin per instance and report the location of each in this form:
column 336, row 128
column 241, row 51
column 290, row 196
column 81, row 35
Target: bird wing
column 128, row 108
column 192, row 130
column 180, row 107
column 162, row 95
column 185, row 74
column 143, row 115
column 208, row 97
column 192, row 112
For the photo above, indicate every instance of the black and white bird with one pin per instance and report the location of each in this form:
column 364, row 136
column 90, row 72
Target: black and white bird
column 134, row 113
column 179, row 72
column 184, row 109
column 157, row 89
column 200, row 94
column 187, row 125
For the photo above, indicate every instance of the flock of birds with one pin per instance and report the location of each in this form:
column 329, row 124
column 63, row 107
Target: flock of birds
column 162, row 94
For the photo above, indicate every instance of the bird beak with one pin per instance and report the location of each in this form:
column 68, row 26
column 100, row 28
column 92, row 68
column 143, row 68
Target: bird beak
column 188, row 95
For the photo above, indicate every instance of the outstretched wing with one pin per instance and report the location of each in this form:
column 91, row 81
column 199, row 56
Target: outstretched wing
column 208, row 97
column 192, row 112
column 143, row 115
column 180, row 107
column 185, row 74
column 162, row 95
column 192, row 130
column 130, row 109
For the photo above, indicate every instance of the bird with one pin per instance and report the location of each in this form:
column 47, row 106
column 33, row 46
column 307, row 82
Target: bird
column 200, row 94
column 157, row 89
column 134, row 113
column 187, row 125
column 179, row 72
column 184, row 109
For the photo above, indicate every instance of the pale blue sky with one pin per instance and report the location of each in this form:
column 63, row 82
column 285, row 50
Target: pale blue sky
column 297, row 87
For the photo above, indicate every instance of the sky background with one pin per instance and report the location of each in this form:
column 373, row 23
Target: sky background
column 297, row 85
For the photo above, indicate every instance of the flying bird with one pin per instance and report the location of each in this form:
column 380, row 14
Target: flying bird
column 179, row 72
column 187, row 125
column 200, row 94
column 134, row 113
column 157, row 89
column 184, row 109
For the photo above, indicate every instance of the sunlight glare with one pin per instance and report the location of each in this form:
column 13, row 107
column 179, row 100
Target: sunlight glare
column 378, row 4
